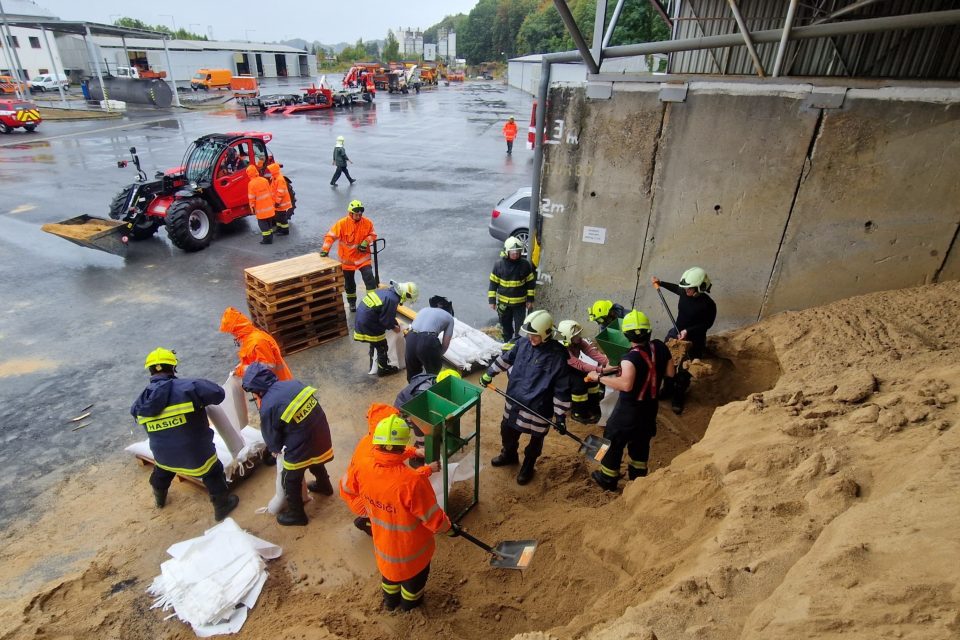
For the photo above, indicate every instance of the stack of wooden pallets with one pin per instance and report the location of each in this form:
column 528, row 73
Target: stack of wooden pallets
column 298, row 301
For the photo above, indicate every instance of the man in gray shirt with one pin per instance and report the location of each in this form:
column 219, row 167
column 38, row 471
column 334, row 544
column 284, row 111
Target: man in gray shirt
column 425, row 348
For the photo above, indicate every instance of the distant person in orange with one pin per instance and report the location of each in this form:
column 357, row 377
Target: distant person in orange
column 261, row 203
column 255, row 345
column 403, row 511
column 510, row 134
column 282, row 200
column 355, row 235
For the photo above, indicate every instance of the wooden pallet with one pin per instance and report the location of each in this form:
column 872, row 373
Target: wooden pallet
column 321, row 283
column 315, row 300
column 328, row 310
column 291, row 272
column 306, row 342
column 197, row 482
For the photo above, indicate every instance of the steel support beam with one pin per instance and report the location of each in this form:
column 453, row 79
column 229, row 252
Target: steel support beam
column 787, row 25
column 95, row 63
column 842, row 12
column 15, row 66
column 659, row 8
column 599, row 19
column 613, row 23
column 53, row 65
column 173, row 79
column 574, row 32
column 746, row 37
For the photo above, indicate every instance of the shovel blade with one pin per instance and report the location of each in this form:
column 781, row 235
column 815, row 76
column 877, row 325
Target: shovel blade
column 513, row 554
column 594, row 448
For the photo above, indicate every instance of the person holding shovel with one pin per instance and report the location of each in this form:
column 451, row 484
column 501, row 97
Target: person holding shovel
column 633, row 422
column 539, row 380
column 403, row 511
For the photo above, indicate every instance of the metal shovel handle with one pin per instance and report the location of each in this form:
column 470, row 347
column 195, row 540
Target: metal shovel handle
column 666, row 308
column 480, row 543
column 549, row 422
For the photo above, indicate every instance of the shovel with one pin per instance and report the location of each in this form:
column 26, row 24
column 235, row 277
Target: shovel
column 593, row 447
column 666, row 308
column 510, row 554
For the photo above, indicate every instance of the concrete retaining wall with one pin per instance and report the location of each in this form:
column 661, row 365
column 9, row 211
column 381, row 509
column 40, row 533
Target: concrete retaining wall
column 785, row 204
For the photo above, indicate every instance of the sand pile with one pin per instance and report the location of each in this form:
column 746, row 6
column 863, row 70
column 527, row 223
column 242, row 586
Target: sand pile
column 824, row 505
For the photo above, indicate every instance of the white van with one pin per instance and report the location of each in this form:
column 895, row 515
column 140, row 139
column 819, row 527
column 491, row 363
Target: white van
column 49, row 82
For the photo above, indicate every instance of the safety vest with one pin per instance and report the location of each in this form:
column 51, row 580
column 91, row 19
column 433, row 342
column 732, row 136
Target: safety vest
column 261, row 198
column 650, row 384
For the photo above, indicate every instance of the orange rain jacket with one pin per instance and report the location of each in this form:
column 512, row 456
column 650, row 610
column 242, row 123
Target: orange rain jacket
column 278, row 187
column 259, row 195
column 350, row 234
column 255, row 345
column 510, row 130
column 403, row 510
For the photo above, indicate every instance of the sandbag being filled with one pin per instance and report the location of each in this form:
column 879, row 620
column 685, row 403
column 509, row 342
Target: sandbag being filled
column 235, row 402
column 396, row 351
column 225, row 427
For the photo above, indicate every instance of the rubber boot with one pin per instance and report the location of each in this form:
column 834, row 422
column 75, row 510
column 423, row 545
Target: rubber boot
column 294, row 515
column 223, row 504
column 633, row 473
column 159, row 497
column 505, row 458
column 363, row 523
column 526, row 470
column 283, row 231
column 353, row 306
column 387, row 370
column 268, row 239
column 606, row 482
column 322, row 484
column 679, row 399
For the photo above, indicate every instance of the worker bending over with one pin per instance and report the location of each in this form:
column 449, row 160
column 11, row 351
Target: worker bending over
column 512, row 287
column 424, row 346
column 260, row 198
column 171, row 409
column 538, row 379
column 633, row 422
column 355, row 235
column 403, row 511
column 255, row 345
column 605, row 313
column 293, row 422
column 377, row 315
column 586, row 397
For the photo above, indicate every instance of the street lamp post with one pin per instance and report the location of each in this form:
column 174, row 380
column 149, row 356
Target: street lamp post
column 173, row 21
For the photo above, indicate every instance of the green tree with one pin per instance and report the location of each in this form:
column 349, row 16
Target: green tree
column 180, row 34
column 391, row 50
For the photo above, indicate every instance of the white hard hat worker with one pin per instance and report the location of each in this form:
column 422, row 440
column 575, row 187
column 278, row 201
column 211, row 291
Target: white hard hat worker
column 408, row 291
column 695, row 280
column 513, row 248
column 538, row 327
column 569, row 331
column 339, row 141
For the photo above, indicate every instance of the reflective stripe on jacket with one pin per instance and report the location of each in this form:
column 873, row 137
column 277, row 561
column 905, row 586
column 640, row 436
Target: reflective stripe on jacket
column 539, row 377
column 376, row 314
column 279, row 189
column 291, row 418
column 171, row 410
column 350, row 234
column 512, row 282
column 260, row 198
column 403, row 511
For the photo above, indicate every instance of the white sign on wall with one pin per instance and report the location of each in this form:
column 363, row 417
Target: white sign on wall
column 596, row 235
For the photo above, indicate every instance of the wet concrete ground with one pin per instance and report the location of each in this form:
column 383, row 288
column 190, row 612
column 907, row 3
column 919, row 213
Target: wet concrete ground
column 75, row 324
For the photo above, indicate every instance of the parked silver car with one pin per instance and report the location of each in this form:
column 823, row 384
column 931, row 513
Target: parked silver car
column 511, row 216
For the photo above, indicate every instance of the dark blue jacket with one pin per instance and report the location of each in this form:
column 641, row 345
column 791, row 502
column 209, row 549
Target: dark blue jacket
column 373, row 319
column 538, row 376
column 171, row 409
column 290, row 417
column 417, row 385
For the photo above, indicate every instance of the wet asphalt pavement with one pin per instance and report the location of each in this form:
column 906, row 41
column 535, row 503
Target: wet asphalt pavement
column 76, row 324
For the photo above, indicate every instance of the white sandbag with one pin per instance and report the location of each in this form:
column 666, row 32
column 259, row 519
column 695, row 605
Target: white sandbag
column 234, row 466
column 607, row 404
column 226, row 428
column 279, row 499
column 212, row 581
column 235, row 402
column 459, row 471
column 396, row 352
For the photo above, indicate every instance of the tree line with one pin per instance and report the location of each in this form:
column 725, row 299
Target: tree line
column 179, row 34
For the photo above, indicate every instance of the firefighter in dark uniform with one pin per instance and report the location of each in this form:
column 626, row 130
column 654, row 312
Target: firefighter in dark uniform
column 292, row 421
column 171, row 409
column 539, row 380
column 377, row 314
column 512, row 286
column 633, row 422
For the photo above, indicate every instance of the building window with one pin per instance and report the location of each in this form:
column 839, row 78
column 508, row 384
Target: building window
column 44, row 71
column 34, row 42
column 13, row 42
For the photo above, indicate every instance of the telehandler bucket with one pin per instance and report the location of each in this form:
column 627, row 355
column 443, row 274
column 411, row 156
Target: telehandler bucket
column 93, row 233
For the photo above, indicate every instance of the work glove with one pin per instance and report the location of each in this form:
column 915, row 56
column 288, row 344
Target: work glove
column 485, row 379
column 560, row 424
column 324, row 254
column 363, row 247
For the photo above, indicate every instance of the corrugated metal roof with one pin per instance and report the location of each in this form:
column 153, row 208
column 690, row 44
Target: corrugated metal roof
column 196, row 45
column 931, row 53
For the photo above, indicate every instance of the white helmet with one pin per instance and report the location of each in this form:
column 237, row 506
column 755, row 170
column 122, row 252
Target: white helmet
column 696, row 278
column 568, row 330
column 512, row 244
column 539, row 322
column 409, row 291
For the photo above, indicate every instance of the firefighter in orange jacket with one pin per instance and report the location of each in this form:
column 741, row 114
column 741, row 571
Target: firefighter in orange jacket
column 282, row 200
column 255, row 345
column 364, row 453
column 261, row 203
column 510, row 134
column 404, row 514
column 355, row 235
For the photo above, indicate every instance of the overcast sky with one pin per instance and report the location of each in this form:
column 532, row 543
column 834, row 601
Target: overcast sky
column 328, row 21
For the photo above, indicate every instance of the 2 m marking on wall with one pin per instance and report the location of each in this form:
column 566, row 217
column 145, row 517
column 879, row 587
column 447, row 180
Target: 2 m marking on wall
column 548, row 207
